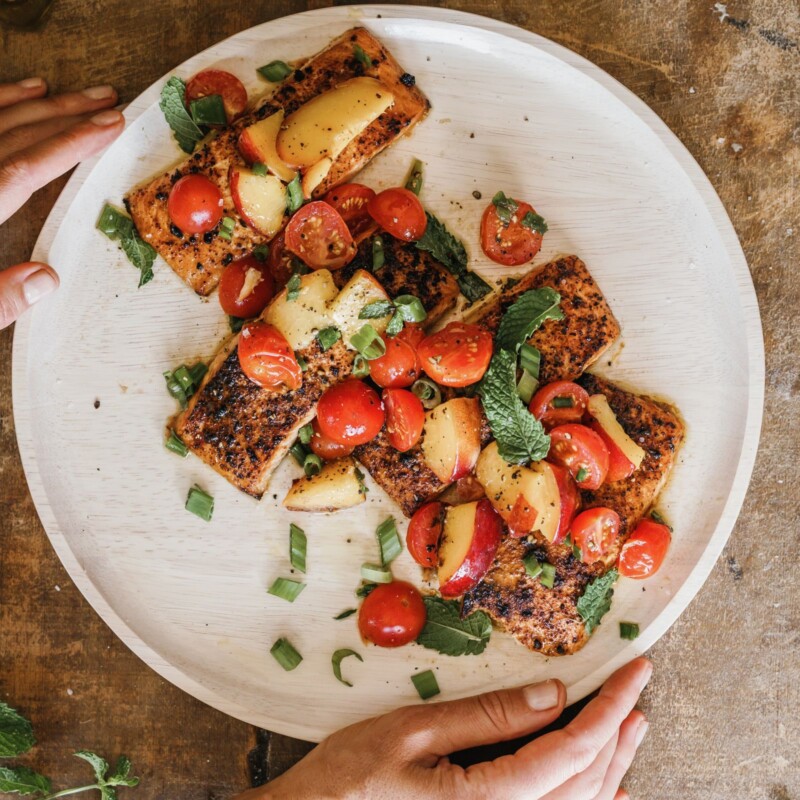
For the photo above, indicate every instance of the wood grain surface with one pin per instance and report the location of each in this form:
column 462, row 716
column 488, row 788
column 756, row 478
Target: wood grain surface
column 724, row 700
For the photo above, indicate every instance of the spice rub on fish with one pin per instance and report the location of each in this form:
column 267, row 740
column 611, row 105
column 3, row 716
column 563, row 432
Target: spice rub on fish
column 200, row 259
column 547, row 620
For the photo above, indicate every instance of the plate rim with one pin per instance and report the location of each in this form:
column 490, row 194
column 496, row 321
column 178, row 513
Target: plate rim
column 23, row 419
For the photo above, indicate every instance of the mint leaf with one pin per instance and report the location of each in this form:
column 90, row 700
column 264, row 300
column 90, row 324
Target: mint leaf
column 443, row 246
column 122, row 774
column 534, row 222
column 186, row 130
column 472, row 286
column 16, row 733
column 450, row 635
column 141, row 255
column 376, row 309
column 520, row 436
column 527, row 314
column 99, row 765
column 596, row 599
column 504, row 206
column 21, row 780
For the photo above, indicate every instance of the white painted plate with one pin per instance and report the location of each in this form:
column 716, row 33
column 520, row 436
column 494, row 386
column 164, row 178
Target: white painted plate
column 615, row 186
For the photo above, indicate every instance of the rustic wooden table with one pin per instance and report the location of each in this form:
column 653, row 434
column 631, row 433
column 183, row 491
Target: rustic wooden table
column 725, row 698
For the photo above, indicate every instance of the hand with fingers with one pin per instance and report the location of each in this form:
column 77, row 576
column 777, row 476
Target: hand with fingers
column 41, row 138
column 403, row 755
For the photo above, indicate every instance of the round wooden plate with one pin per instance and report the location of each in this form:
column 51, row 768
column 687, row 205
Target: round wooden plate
column 511, row 111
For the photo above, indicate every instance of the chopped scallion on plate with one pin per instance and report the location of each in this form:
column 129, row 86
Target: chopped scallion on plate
column 426, row 684
column 283, row 652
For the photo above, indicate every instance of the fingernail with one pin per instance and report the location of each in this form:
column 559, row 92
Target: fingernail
column 31, row 83
column 640, row 732
column 37, row 285
column 98, row 92
column 646, row 675
column 541, row 696
column 106, row 118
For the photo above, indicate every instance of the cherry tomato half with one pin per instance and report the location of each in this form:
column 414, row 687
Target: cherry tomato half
column 400, row 213
column 217, row 81
column 511, row 244
column 266, row 358
column 398, row 366
column 326, row 448
column 582, row 452
column 245, row 288
column 559, row 402
column 405, row 418
column 570, row 500
column 350, row 413
column 351, row 201
column 317, row 235
column 457, row 355
column 279, row 261
column 392, row 614
column 424, row 532
column 618, row 465
column 195, row 204
column 645, row 549
column 594, row 531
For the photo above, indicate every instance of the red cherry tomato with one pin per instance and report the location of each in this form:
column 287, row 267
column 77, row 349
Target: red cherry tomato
column 412, row 334
column 559, row 402
column 318, row 236
column 279, row 261
column 392, row 614
column 618, row 465
column 195, row 204
column 245, row 288
column 266, row 358
column 577, row 448
column 400, row 213
column 326, row 448
column 457, row 355
column 594, row 531
column 405, row 418
column 645, row 549
column 351, row 201
column 511, row 244
column 424, row 532
column 217, row 81
column 397, row 367
column 350, row 413
column 570, row 500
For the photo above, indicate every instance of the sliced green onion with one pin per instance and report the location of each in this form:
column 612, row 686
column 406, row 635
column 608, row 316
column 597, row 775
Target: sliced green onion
column 200, row 503
column 184, row 378
column 563, row 402
column 414, row 179
column 426, row 684
column 305, row 433
column 368, row 342
column 336, row 660
column 197, row 373
column 259, row 169
column 293, row 287
column 298, row 544
column 527, row 386
column 286, row 589
column 328, row 337
column 261, row 252
column 226, row 228
column 576, row 551
column 428, row 392
column 534, row 222
column 301, row 362
column 182, row 383
column 174, row 444
column 299, row 453
column 236, row 323
column 410, row 308
column 628, row 630
column 389, row 541
column 530, row 359
column 548, row 576
column 312, row 465
column 294, row 195
column 361, row 56
column 365, row 589
column 376, row 309
column 348, row 612
column 582, row 475
column 472, row 286
column 532, row 566
column 285, row 654
column 375, row 573
column 378, row 255
column 275, row 71
column 360, row 366
column 209, row 110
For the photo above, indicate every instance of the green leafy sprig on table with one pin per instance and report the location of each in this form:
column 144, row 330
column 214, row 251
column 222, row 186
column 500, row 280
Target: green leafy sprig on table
column 16, row 738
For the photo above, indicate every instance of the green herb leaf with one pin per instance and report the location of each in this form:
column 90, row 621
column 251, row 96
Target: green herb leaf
column 504, row 206
column 118, row 227
column 520, row 436
column 16, row 733
column 450, row 635
column 346, row 613
column 376, row 309
column 395, row 325
column 533, row 568
column 208, row 110
column 298, row 545
column 122, row 774
column 285, row 654
column 286, row 589
column 548, row 576
column 99, row 765
column 336, row 661
column 365, row 589
column 186, row 130
column 328, row 337
column 275, row 71
column 534, row 222
column 24, row 781
column 293, row 287
column 530, row 310
column 443, row 246
column 361, row 56
column 426, row 684
column 472, row 286
column 629, row 630
column 596, row 599
column 414, row 179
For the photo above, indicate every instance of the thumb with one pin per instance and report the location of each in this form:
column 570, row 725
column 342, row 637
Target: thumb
column 492, row 717
column 21, row 286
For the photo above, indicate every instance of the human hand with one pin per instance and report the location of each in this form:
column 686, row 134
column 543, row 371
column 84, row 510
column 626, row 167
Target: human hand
column 404, row 754
column 41, row 138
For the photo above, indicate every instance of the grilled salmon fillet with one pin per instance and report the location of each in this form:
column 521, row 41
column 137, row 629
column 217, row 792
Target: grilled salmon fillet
column 568, row 347
column 547, row 620
column 200, row 259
